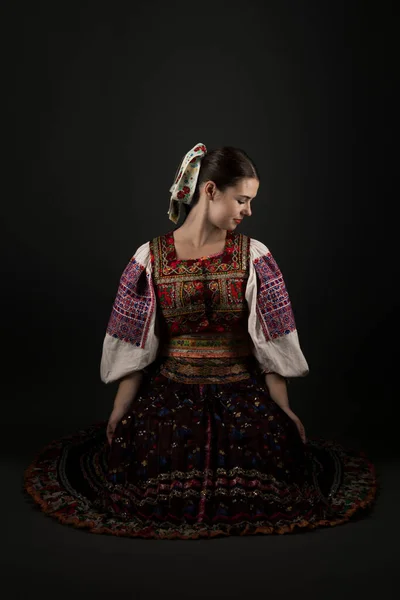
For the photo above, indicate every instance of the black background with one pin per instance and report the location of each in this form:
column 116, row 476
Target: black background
column 101, row 103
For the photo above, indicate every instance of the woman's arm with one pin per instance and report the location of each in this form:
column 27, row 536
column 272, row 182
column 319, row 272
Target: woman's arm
column 276, row 385
column 277, row 388
column 127, row 390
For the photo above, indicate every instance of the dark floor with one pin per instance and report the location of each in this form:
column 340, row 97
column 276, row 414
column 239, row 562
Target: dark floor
column 50, row 560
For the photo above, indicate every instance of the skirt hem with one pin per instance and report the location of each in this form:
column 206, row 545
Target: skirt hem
column 153, row 532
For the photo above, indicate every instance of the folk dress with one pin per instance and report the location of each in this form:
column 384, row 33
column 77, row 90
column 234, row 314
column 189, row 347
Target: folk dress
column 203, row 451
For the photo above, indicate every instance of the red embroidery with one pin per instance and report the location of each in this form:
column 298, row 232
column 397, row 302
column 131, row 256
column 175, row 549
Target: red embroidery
column 205, row 294
column 273, row 304
column 133, row 306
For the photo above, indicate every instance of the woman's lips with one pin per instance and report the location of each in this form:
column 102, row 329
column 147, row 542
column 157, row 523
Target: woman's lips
column 237, row 220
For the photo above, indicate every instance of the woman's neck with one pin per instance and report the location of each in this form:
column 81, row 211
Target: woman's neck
column 198, row 232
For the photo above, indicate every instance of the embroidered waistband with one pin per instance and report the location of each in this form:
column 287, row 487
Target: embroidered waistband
column 216, row 345
column 207, row 358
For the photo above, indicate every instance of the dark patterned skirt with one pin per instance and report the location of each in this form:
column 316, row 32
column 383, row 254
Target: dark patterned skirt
column 198, row 461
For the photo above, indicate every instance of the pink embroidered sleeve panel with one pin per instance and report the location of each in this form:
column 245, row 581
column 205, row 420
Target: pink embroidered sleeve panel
column 131, row 343
column 271, row 322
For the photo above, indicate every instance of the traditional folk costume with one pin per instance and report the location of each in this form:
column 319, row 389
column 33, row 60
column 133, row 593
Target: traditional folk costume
column 203, row 451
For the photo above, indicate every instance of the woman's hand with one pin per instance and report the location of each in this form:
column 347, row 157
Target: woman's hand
column 299, row 425
column 116, row 416
column 277, row 388
column 127, row 390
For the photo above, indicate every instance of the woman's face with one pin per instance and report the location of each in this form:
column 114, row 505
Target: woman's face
column 228, row 208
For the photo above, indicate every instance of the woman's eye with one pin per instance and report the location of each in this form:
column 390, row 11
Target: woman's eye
column 241, row 201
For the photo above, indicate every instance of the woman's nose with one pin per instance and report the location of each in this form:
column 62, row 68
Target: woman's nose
column 247, row 211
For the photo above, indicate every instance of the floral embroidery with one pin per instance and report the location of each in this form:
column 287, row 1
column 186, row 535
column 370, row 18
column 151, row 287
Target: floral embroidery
column 202, row 295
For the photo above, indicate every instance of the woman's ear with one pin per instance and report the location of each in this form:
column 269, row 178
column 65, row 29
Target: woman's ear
column 209, row 189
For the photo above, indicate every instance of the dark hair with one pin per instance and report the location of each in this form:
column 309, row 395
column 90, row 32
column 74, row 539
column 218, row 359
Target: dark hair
column 224, row 166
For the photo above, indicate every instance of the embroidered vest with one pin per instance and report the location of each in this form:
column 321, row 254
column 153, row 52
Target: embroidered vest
column 203, row 311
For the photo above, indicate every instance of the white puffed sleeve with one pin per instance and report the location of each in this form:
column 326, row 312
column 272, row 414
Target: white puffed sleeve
column 271, row 322
column 131, row 343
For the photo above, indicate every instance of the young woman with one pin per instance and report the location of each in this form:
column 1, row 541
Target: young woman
column 201, row 441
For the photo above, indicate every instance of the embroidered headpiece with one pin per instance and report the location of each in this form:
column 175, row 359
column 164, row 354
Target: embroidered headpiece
column 183, row 188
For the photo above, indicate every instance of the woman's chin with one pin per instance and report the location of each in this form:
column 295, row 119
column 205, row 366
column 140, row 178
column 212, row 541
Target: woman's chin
column 231, row 224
